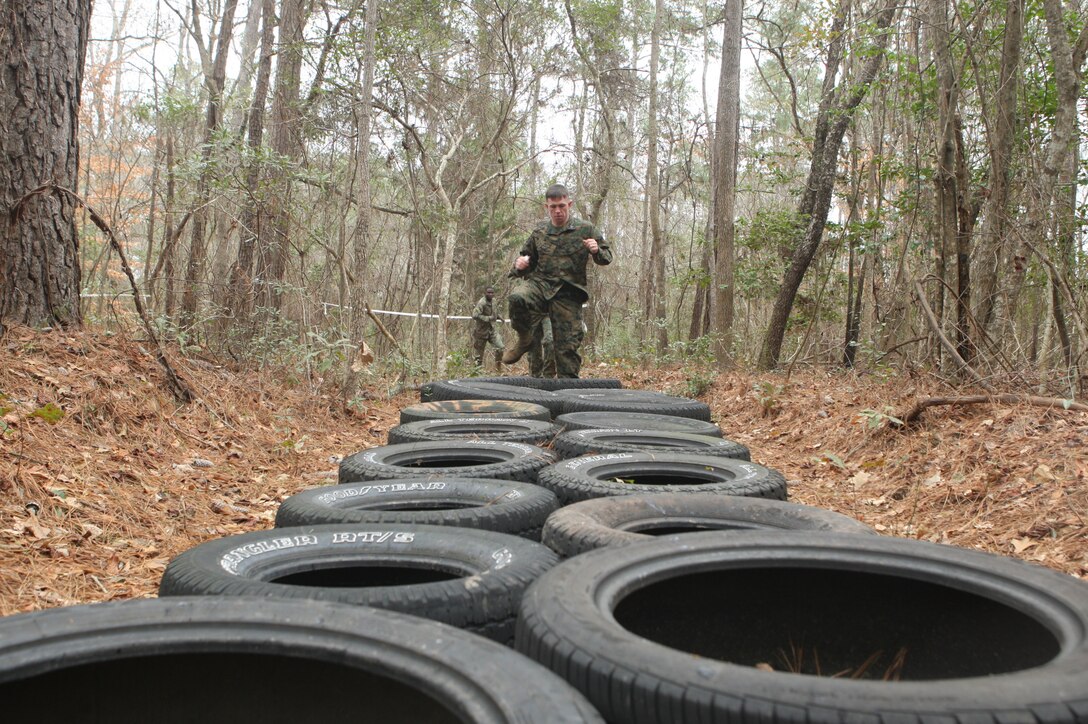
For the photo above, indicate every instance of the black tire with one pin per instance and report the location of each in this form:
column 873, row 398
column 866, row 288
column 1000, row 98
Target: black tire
column 472, row 390
column 626, row 519
column 637, row 421
column 534, row 432
column 498, row 505
column 554, row 384
column 598, row 476
column 465, row 459
column 471, row 579
column 449, row 409
column 631, row 401
column 532, row 383
column 674, row 629
column 238, row 659
column 595, row 441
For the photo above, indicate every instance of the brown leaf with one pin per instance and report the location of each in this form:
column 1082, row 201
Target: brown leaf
column 1022, row 544
column 363, row 357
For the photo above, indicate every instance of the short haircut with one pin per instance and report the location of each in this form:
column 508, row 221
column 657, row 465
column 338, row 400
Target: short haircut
column 557, row 191
column 489, row 289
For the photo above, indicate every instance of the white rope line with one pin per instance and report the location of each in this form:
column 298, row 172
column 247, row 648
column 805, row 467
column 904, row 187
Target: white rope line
column 325, row 308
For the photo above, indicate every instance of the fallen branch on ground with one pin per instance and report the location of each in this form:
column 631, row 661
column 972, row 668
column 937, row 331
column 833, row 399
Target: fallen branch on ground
column 1048, row 402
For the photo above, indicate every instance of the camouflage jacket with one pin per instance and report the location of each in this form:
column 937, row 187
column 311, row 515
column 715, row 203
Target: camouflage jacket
column 484, row 314
column 557, row 256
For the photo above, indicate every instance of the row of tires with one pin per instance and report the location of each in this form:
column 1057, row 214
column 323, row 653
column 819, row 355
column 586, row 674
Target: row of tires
column 439, row 513
column 794, row 615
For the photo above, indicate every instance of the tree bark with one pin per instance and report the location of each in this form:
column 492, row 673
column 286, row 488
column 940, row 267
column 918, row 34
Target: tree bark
column 992, row 241
column 285, row 128
column 1061, row 159
column 214, row 82
column 727, row 142
column 361, row 233
column 241, row 275
column 42, row 47
column 655, row 290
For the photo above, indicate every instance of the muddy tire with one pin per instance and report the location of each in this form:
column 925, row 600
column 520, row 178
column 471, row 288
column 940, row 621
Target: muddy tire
column 239, row 659
column 499, row 505
column 533, row 432
column 801, row 627
column 596, row 441
column 626, row 519
column 598, row 476
column 465, row 459
column 632, row 401
column 637, row 421
column 471, row 579
column 456, row 409
column 472, row 390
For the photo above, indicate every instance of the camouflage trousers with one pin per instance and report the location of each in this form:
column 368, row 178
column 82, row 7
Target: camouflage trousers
column 530, row 304
column 542, row 353
column 479, row 343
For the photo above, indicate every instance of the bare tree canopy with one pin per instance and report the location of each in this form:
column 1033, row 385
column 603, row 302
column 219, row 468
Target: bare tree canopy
column 776, row 178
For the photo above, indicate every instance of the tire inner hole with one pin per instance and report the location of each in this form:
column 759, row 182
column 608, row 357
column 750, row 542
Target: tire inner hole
column 830, row 622
column 366, row 575
column 680, row 527
column 218, row 687
column 443, row 461
column 672, row 478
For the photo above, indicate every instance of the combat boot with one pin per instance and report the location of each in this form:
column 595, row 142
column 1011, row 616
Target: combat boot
column 519, row 348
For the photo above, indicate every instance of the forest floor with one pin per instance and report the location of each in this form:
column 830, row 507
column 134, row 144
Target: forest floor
column 104, row 479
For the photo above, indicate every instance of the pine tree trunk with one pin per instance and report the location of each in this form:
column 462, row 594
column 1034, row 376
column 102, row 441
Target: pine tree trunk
column 285, row 128
column 42, row 47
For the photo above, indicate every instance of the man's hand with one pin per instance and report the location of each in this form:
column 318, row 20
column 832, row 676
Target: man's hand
column 591, row 245
column 522, row 262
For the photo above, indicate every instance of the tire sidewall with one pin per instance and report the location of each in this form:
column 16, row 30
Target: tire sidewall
column 583, row 591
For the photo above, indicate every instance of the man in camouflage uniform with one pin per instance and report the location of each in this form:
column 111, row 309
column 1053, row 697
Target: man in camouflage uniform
column 551, row 270
column 485, row 331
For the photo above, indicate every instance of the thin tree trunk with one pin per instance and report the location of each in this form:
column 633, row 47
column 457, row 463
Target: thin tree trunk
column 285, row 128
column 241, row 274
column 361, row 233
column 1060, row 166
column 655, row 281
column 727, row 143
column 992, row 246
column 214, row 83
column 834, row 116
column 169, row 247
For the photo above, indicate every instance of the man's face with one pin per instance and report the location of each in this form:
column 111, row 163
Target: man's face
column 489, row 294
column 558, row 210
